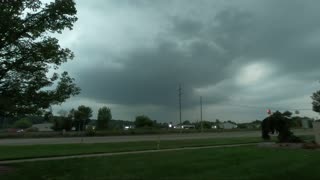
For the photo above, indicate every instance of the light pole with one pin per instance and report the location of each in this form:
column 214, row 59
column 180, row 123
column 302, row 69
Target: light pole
column 180, row 94
column 201, row 113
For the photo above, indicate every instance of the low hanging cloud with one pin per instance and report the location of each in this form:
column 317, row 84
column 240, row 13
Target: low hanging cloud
column 134, row 54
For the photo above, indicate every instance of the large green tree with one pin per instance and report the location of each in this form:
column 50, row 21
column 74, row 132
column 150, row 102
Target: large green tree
column 82, row 117
column 143, row 121
column 104, row 118
column 30, row 56
column 279, row 123
column 316, row 101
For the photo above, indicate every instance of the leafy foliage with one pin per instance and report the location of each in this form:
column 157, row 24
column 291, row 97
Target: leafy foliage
column 316, row 101
column 81, row 117
column 143, row 121
column 280, row 123
column 204, row 124
column 104, row 118
column 90, row 131
column 27, row 53
column 62, row 123
column 23, row 123
column 187, row 122
column 119, row 124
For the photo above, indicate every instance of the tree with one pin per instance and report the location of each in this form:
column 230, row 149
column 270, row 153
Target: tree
column 280, row 123
column 47, row 116
column 82, row 117
column 187, row 122
column 62, row 123
column 65, row 120
column 205, row 125
column 62, row 113
column 104, row 118
column 316, row 101
column 22, row 123
column 120, row 124
column 143, row 121
column 28, row 53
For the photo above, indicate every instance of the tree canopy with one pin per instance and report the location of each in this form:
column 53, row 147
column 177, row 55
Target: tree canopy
column 143, row 121
column 23, row 123
column 279, row 123
column 104, row 118
column 82, row 116
column 30, row 56
column 316, row 101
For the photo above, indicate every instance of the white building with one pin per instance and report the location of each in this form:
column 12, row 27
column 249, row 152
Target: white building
column 185, row 127
column 227, row 125
column 188, row 126
column 45, row 127
column 305, row 123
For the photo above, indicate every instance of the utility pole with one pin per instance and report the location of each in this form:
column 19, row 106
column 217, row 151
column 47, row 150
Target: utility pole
column 180, row 94
column 201, row 113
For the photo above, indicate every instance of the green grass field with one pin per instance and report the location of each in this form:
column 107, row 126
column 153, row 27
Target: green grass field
column 222, row 163
column 23, row 152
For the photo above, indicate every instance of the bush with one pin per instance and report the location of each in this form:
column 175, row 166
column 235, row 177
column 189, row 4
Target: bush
column 22, row 123
column 143, row 121
column 62, row 123
column 279, row 122
column 90, row 131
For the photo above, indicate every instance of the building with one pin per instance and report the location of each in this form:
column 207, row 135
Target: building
column 188, row 126
column 228, row 125
column 185, row 127
column 44, row 127
column 305, row 122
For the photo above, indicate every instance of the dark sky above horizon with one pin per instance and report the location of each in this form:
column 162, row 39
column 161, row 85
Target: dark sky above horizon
column 242, row 56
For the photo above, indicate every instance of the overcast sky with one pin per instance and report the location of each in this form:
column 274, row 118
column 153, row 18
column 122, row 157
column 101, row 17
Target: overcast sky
column 242, row 56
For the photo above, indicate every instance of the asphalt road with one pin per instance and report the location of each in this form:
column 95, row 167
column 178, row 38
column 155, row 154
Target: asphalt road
column 107, row 139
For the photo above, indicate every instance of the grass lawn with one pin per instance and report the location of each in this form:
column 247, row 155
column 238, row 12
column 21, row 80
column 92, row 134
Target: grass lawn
column 31, row 151
column 222, row 163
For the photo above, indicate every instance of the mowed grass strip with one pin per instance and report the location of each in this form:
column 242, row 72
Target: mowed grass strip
column 219, row 163
column 36, row 151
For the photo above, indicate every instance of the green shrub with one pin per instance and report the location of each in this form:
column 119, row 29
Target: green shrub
column 90, row 131
column 23, row 123
column 143, row 121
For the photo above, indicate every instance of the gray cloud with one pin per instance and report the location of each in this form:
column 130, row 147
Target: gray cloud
column 135, row 54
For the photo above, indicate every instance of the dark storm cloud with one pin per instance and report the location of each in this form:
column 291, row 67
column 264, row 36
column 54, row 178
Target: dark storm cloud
column 152, row 77
column 254, row 52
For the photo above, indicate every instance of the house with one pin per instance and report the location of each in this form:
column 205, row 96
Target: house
column 44, row 127
column 227, row 125
column 188, row 126
column 184, row 126
column 305, row 123
column 214, row 127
